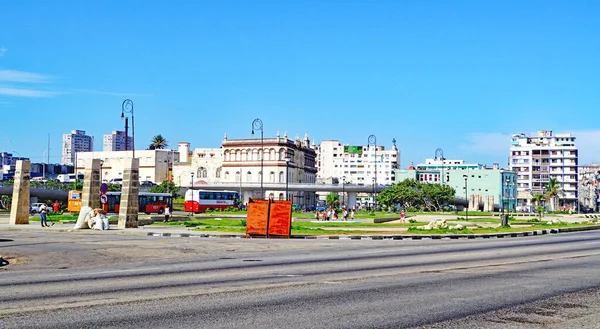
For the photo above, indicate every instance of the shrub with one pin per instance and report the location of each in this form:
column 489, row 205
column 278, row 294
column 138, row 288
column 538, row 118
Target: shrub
column 412, row 220
column 209, row 210
column 243, row 222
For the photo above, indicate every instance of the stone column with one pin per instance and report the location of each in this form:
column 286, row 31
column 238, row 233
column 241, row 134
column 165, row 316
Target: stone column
column 129, row 207
column 90, row 196
column 351, row 200
column 19, row 210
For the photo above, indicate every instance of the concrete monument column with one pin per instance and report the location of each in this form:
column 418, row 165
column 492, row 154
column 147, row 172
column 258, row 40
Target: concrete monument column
column 129, row 207
column 91, row 184
column 19, row 210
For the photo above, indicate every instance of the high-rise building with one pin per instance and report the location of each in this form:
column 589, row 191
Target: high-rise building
column 356, row 164
column 76, row 141
column 116, row 141
column 537, row 159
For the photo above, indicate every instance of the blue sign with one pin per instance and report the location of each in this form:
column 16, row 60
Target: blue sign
column 104, row 188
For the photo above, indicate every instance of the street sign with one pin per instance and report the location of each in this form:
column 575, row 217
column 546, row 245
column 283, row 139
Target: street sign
column 103, row 198
column 104, row 188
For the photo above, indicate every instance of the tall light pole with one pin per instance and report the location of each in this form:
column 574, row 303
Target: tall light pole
column 466, row 198
column 373, row 194
column 257, row 124
column 373, row 141
column 127, row 107
column 343, row 192
column 192, row 188
column 439, row 154
column 287, row 175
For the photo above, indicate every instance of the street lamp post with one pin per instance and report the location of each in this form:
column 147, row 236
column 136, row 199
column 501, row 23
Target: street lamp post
column 439, row 154
column 287, row 175
column 343, row 192
column 101, row 164
column 127, row 107
column 192, row 181
column 374, row 205
column 466, row 198
column 373, row 141
column 257, row 124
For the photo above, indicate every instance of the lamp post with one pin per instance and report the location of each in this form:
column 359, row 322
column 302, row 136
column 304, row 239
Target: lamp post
column 439, row 154
column 343, row 192
column 466, row 198
column 127, row 107
column 507, row 195
column 192, row 181
column 101, row 164
column 373, row 141
column 373, row 194
column 257, row 124
column 287, row 176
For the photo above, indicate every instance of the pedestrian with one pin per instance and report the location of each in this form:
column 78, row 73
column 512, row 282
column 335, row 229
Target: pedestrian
column 324, row 215
column 402, row 217
column 345, row 214
column 167, row 213
column 317, row 215
column 352, row 215
column 56, row 206
column 43, row 216
column 328, row 214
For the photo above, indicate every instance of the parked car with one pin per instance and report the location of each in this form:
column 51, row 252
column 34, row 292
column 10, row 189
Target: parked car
column 36, row 208
column 118, row 181
column 147, row 183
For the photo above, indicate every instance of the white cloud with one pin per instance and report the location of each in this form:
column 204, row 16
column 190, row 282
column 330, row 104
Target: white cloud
column 90, row 91
column 22, row 76
column 498, row 144
column 2, row 51
column 22, row 92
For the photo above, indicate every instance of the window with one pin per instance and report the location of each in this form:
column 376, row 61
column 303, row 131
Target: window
column 218, row 173
column 272, row 177
column 237, row 176
column 281, row 196
column 249, row 176
column 226, row 175
column 281, row 177
column 281, row 154
column 238, row 155
column 227, row 155
column 202, row 173
column 272, row 155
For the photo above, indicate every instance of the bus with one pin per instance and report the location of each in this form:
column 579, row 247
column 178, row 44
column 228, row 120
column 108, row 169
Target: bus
column 198, row 201
column 149, row 203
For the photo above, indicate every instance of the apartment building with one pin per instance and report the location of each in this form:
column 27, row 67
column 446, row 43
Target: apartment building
column 76, row 141
column 538, row 158
column 116, row 141
column 354, row 164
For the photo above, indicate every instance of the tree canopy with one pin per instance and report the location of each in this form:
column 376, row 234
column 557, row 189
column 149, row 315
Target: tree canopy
column 165, row 187
column 158, row 143
column 333, row 200
column 410, row 193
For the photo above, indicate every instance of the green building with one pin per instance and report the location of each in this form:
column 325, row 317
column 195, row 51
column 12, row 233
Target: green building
column 477, row 179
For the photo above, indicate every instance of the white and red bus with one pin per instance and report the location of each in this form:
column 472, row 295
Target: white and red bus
column 198, row 201
column 149, row 203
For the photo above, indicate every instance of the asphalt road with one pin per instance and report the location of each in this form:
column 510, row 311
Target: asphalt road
column 84, row 280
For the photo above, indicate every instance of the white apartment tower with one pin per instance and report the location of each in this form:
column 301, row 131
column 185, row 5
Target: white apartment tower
column 116, row 141
column 356, row 164
column 536, row 159
column 76, row 141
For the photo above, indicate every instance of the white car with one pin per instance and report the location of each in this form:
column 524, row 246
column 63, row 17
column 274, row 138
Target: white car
column 36, row 208
column 118, row 181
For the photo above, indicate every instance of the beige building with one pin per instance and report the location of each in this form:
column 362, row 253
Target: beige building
column 154, row 164
column 239, row 161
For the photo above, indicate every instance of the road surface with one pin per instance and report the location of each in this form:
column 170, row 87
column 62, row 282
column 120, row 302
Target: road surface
column 96, row 280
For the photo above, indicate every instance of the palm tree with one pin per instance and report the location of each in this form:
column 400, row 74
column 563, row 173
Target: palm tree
column 539, row 198
column 158, row 143
column 552, row 193
column 333, row 200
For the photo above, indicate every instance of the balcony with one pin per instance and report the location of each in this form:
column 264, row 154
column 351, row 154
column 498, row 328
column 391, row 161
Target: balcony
column 540, row 156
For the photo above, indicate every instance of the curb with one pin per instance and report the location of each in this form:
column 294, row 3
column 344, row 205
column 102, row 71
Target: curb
column 393, row 237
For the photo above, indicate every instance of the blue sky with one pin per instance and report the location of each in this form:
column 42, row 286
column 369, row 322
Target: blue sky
column 456, row 75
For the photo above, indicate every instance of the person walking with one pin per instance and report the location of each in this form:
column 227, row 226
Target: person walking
column 317, row 215
column 352, row 215
column 56, row 206
column 43, row 216
column 167, row 213
column 402, row 217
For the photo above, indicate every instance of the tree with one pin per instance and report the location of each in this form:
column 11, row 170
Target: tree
column 538, row 199
column 333, row 200
column 158, row 143
column 165, row 187
column 552, row 193
column 410, row 193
